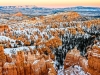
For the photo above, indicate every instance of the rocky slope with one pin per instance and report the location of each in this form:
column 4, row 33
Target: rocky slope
column 52, row 40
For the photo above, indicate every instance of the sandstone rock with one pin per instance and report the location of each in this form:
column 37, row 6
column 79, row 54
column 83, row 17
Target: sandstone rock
column 1, row 71
column 94, row 60
column 2, row 55
column 72, row 58
column 27, row 69
column 92, row 65
column 8, row 58
column 9, row 69
column 20, row 58
column 19, row 14
column 4, row 28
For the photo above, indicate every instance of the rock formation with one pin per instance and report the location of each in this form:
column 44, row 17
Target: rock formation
column 94, row 60
column 4, row 28
column 72, row 58
column 26, row 63
column 19, row 14
column 90, row 66
column 2, row 56
column 37, row 43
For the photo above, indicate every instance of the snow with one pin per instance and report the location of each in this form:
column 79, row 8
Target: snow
column 75, row 70
column 36, row 61
column 4, row 38
column 60, row 72
column 28, row 31
column 8, row 50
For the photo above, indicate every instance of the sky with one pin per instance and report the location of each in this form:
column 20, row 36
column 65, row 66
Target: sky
column 51, row 3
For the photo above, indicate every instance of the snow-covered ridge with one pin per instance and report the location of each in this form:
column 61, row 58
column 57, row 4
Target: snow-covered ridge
column 76, row 70
column 34, row 10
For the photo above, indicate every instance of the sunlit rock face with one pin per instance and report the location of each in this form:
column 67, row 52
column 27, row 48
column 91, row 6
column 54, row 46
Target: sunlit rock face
column 75, row 64
column 19, row 14
column 26, row 63
column 44, row 45
column 2, row 56
column 72, row 16
column 93, row 60
column 88, row 66
column 4, row 28
column 72, row 58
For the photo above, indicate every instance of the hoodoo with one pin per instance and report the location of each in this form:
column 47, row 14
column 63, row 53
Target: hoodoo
column 2, row 56
column 4, row 28
column 65, row 42
column 19, row 14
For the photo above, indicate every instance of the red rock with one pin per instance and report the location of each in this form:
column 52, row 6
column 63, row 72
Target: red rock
column 1, row 71
column 19, row 14
column 27, row 69
column 4, row 28
column 2, row 55
column 72, row 58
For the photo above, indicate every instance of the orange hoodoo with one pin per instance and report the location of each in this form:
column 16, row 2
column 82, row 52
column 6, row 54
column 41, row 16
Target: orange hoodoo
column 20, row 58
column 19, row 14
column 94, row 61
column 92, row 65
column 72, row 58
column 72, row 15
column 41, row 17
column 3, row 28
column 2, row 55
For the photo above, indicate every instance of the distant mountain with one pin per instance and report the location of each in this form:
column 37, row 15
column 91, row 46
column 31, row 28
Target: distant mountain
column 34, row 10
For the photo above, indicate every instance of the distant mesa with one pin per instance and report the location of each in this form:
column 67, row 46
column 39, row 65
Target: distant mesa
column 73, row 14
column 19, row 14
column 68, row 16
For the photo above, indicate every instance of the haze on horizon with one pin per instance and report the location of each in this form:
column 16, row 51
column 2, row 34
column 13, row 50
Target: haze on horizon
column 51, row 3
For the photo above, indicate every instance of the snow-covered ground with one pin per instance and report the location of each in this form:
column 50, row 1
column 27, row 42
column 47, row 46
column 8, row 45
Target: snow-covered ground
column 25, row 48
column 75, row 70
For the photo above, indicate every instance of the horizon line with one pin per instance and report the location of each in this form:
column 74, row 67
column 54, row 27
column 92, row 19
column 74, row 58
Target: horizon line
column 51, row 6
